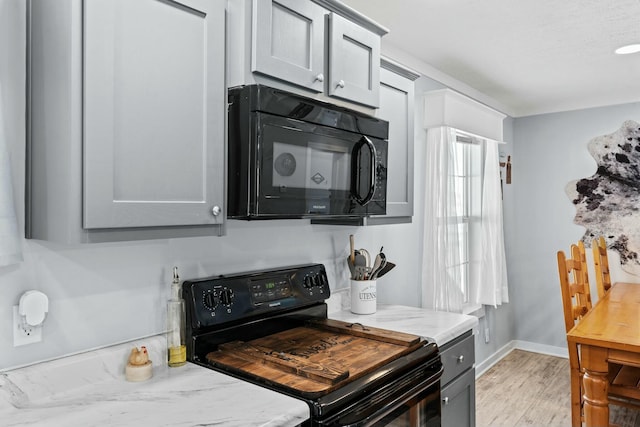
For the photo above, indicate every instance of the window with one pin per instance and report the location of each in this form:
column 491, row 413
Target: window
column 464, row 261
column 467, row 176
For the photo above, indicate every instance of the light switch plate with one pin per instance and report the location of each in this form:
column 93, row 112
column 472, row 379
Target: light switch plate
column 22, row 335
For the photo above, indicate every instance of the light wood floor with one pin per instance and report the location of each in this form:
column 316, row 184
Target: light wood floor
column 532, row 389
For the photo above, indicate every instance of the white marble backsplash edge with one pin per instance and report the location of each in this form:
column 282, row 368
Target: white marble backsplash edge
column 90, row 389
column 77, row 353
column 66, row 374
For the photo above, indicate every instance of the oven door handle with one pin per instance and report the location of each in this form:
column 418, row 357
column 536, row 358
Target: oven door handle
column 355, row 179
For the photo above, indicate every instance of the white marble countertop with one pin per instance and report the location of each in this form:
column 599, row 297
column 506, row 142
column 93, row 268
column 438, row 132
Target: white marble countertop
column 90, row 389
column 440, row 326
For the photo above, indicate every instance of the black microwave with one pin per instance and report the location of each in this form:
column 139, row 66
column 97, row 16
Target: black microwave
column 290, row 156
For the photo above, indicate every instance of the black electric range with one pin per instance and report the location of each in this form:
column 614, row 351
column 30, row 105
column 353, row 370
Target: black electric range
column 271, row 328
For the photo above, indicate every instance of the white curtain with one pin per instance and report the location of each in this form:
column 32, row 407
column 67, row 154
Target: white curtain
column 10, row 241
column 441, row 285
column 492, row 288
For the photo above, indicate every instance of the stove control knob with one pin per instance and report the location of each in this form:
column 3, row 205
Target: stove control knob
column 322, row 280
column 226, row 297
column 210, row 301
column 308, row 283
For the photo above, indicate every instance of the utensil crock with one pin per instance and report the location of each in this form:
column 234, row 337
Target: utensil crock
column 363, row 296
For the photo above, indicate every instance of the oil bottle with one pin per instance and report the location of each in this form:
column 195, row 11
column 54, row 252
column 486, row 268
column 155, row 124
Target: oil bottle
column 177, row 351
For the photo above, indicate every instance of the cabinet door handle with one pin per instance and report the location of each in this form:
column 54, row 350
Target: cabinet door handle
column 216, row 210
column 461, row 358
column 445, row 400
column 341, row 83
column 320, row 77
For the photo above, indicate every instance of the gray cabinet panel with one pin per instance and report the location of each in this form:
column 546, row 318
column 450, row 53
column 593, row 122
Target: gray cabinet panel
column 458, row 382
column 354, row 67
column 396, row 107
column 153, row 105
column 288, row 41
column 121, row 135
column 458, row 401
column 309, row 45
column 457, row 358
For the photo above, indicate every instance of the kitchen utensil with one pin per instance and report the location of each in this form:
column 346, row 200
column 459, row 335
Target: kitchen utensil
column 352, row 267
column 385, row 269
column 366, row 255
column 376, row 273
column 352, row 254
column 361, row 272
column 378, row 264
column 356, row 259
column 360, row 259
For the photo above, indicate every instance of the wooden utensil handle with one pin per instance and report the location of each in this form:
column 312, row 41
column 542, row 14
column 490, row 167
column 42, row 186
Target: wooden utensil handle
column 352, row 245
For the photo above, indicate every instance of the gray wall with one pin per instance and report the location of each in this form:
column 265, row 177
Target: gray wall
column 550, row 151
column 107, row 293
column 103, row 294
column 500, row 323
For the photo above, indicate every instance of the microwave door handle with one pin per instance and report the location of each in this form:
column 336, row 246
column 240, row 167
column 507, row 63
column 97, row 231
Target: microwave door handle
column 373, row 162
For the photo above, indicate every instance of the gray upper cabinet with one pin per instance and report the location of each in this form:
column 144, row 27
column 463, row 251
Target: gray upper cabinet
column 354, row 58
column 396, row 106
column 153, row 144
column 288, row 41
column 313, row 45
column 127, row 117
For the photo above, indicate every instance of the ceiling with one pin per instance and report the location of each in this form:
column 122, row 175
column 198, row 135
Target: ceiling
column 521, row 57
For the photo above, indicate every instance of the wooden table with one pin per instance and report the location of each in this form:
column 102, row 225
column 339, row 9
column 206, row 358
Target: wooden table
column 609, row 332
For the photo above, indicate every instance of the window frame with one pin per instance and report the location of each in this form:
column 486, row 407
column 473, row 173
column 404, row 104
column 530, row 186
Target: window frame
column 473, row 168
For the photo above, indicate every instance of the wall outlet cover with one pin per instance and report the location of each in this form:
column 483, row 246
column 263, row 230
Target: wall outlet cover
column 24, row 335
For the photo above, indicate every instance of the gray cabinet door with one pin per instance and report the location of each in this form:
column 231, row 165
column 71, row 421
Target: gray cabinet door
column 458, row 401
column 288, row 41
column 154, row 113
column 354, row 62
column 396, row 107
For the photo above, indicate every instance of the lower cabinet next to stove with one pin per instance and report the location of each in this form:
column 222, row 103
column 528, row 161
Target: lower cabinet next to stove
column 458, row 382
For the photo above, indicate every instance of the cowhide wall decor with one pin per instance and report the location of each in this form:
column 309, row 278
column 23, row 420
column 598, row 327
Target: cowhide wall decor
column 608, row 202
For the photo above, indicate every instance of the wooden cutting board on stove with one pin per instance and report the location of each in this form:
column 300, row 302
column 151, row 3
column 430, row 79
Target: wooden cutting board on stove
column 315, row 358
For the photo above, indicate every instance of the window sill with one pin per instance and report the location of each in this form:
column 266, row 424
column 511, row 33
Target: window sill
column 476, row 310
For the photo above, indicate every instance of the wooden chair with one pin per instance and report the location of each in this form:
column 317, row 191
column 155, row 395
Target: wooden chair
column 601, row 266
column 624, row 381
column 584, row 270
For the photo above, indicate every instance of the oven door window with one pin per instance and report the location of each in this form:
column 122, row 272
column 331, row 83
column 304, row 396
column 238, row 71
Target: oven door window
column 421, row 409
column 306, row 168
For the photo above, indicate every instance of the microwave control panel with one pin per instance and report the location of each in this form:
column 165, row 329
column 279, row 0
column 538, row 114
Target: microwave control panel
column 220, row 300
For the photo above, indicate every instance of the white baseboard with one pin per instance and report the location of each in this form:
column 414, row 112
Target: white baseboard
column 486, row 364
column 542, row 348
column 550, row 350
